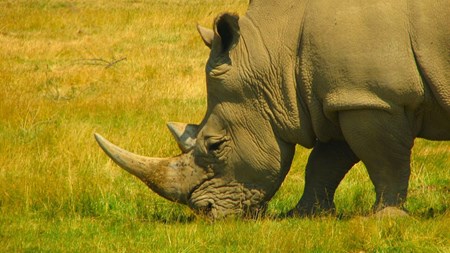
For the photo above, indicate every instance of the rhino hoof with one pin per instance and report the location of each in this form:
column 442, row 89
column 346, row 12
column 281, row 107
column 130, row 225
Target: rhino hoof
column 391, row 212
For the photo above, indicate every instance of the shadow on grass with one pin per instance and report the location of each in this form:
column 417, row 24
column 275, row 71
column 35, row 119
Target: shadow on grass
column 172, row 218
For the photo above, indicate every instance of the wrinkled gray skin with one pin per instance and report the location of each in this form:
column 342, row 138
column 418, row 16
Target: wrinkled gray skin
column 354, row 80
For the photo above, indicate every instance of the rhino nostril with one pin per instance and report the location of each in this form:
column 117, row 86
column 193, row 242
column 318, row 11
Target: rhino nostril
column 206, row 209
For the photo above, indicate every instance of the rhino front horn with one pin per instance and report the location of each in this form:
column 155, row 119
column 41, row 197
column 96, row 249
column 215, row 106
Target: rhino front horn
column 172, row 178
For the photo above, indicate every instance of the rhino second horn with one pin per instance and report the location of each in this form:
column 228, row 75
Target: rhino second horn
column 171, row 178
column 184, row 134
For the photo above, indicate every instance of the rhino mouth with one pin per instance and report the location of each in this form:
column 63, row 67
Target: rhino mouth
column 216, row 199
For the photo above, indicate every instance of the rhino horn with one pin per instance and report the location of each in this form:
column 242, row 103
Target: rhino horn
column 184, row 134
column 172, row 178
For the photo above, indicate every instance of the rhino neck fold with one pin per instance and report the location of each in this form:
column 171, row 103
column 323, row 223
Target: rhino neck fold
column 272, row 22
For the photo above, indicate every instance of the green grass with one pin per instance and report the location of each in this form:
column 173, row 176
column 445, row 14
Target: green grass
column 60, row 193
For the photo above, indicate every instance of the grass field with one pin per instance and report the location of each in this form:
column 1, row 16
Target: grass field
column 123, row 69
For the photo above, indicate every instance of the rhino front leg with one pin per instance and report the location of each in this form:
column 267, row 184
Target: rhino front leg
column 383, row 141
column 327, row 165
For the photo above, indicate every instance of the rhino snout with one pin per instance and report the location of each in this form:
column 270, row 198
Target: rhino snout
column 217, row 198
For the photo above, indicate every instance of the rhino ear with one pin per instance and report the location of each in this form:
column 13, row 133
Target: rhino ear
column 206, row 34
column 227, row 33
column 184, row 134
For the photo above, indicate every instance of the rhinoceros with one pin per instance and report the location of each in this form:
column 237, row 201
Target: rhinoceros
column 353, row 80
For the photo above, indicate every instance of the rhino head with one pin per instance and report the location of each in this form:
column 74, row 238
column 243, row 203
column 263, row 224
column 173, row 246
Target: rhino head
column 234, row 161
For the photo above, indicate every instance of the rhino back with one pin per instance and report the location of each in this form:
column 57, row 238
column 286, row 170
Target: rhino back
column 358, row 55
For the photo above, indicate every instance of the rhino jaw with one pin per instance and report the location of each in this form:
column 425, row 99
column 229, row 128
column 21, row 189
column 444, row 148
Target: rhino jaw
column 172, row 178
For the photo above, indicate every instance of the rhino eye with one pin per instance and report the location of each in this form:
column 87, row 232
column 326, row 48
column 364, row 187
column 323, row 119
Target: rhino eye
column 214, row 146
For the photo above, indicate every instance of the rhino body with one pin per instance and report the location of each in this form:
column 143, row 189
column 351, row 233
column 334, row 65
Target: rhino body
column 355, row 81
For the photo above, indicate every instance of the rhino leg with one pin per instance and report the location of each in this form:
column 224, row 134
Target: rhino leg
column 327, row 165
column 383, row 142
